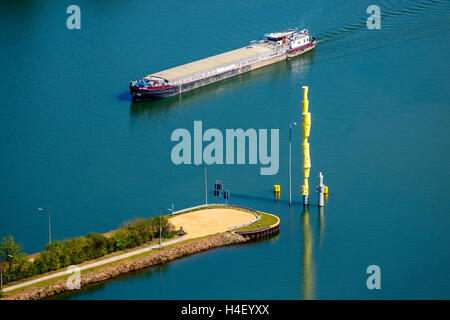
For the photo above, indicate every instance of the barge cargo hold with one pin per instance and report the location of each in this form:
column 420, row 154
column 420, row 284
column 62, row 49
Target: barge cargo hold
column 275, row 47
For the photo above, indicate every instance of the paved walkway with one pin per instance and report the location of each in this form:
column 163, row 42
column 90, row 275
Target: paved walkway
column 94, row 264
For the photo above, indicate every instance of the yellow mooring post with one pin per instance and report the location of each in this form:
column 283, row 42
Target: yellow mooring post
column 277, row 190
column 306, row 127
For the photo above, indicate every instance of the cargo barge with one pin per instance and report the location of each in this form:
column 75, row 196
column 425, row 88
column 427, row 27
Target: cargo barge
column 276, row 46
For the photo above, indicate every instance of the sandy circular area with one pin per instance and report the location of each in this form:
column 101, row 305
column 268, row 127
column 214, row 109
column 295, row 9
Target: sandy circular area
column 210, row 221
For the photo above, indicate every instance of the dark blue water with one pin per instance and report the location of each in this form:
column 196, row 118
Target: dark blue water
column 72, row 140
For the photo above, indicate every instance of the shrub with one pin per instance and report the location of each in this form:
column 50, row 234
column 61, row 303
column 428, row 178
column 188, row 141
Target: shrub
column 98, row 245
column 52, row 258
column 120, row 239
column 21, row 267
column 77, row 250
column 8, row 249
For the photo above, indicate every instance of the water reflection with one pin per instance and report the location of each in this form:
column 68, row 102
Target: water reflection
column 161, row 282
column 321, row 225
column 146, row 109
column 301, row 63
column 307, row 259
column 308, row 280
column 269, row 198
column 277, row 72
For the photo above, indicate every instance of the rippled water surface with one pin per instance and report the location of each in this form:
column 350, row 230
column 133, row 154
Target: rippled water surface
column 72, row 140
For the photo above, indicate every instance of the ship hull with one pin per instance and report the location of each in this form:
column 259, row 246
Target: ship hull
column 301, row 50
column 157, row 93
column 140, row 94
column 228, row 74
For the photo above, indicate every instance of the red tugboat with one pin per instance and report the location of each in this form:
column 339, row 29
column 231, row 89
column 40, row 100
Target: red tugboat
column 275, row 47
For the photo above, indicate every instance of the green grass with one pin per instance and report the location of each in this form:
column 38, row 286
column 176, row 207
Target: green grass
column 265, row 221
column 172, row 234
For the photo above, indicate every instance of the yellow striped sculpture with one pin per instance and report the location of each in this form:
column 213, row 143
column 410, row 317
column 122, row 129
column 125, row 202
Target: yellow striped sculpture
column 306, row 127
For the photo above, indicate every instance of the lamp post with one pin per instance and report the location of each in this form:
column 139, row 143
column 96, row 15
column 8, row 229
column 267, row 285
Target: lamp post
column 1, row 274
column 160, row 229
column 206, row 188
column 160, row 224
column 290, row 162
column 49, row 225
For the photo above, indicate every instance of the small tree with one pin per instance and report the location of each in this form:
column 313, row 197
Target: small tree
column 8, row 249
column 54, row 255
column 98, row 245
column 120, row 239
column 20, row 268
column 77, row 249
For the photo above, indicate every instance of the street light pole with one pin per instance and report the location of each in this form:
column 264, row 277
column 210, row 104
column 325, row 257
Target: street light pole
column 290, row 162
column 206, row 189
column 206, row 184
column 160, row 223
column 1, row 278
column 160, row 229
column 49, row 225
column 49, row 228
column 1, row 275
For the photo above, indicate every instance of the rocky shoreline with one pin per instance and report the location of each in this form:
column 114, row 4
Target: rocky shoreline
column 121, row 268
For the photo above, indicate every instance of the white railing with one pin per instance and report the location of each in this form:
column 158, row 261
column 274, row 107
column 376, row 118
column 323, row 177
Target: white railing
column 189, row 209
column 239, row 63
column 244, row 224
column 256, row 213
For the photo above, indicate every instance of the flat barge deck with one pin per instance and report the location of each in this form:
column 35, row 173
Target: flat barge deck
column 276, row 47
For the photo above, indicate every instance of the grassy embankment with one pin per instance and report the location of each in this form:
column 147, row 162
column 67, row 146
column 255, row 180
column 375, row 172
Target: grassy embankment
column 265, row 221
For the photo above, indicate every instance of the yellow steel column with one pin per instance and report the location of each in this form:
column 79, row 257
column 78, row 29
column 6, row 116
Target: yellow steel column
column 306, row 127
